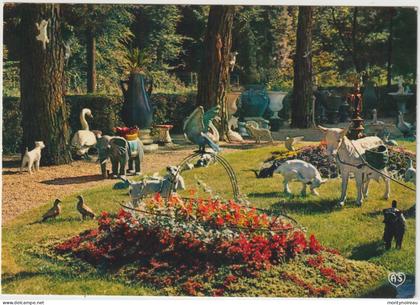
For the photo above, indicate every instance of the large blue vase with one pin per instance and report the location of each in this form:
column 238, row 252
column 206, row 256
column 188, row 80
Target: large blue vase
column 254, row 103
column 137, row 109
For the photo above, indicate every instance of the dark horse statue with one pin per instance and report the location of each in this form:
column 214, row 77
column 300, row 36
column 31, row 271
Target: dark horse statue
column 137, row 109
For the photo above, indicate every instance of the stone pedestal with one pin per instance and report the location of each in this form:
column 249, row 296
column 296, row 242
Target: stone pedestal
column 147, row 140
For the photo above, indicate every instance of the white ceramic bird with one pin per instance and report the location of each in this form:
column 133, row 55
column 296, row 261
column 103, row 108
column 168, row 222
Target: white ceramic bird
column 83, row 139
column 406, row 128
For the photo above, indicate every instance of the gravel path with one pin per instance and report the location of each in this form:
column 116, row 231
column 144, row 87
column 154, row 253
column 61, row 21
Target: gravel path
column 22, row 191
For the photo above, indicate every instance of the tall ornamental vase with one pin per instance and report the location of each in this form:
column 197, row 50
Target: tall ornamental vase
column 276, row 102
column 137, row 109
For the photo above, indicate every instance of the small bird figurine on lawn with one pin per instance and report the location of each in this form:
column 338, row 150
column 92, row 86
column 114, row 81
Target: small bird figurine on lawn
column 290, row 142
column 53, row 212
column 84, row 209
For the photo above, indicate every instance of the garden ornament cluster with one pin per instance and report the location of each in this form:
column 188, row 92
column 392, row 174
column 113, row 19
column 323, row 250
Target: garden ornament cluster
column 349, row 159
column 171, row 182
column 83, row 139
column 258, row 133
column 394, row 221
column 83, row 209
column 196, row 128
column 120, row 152
column 42, row 36
column 301, row 171
column 53, row 212
column 32, row 158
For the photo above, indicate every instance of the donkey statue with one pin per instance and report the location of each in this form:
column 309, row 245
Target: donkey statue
column 348, row 155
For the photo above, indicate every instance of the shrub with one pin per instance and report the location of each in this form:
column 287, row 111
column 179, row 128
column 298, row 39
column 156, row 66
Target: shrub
column 169, row 109
column 12, row 128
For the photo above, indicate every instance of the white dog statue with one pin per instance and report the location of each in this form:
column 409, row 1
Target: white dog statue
column 163, row 185
column 32, row 158
column 301, row 171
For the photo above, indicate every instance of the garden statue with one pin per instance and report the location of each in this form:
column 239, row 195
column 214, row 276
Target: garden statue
column 406, row 128
column 53, row 212
column 32, row 158
column 232, row 60
column 410, row 173
column 290, row 142
column 258, row 133
column 196, row 127
column 377, row 127
column 301, row 171
column 120, row 151
column 136, row 110
column 232, row 135
column 401, row 96
column 151, row 185
column 83, row 209
column 349, row 157
column 43, row 35
column 394, row 226
column 355, row 100
column 387, row 141
column 83, row 139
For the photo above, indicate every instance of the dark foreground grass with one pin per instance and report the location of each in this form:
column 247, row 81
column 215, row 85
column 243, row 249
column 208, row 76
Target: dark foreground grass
column 28, row 267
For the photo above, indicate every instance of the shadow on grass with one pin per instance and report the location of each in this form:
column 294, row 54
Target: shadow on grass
column 367, row 251
column 73, row 180
column 59, row 220
column 309, row 207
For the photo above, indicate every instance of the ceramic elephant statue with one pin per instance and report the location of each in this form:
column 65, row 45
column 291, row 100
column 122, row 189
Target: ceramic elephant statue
column 120, row 152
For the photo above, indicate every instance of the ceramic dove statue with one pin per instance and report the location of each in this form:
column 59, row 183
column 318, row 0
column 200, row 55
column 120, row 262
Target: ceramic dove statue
column 196, row 127
column 42, row 36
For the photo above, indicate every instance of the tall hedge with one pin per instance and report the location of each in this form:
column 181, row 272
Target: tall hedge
column 169, row 109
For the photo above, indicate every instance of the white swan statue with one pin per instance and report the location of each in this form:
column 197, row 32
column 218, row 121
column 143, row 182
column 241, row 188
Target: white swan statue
column 83, row 139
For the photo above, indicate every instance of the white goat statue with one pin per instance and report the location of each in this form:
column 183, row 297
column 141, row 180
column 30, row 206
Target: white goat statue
column 301, row 171
column 348, row 156
column 163, row 185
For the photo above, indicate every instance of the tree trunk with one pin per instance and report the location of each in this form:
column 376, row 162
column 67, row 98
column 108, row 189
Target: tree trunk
column 302, row 82
column 91, row 60
column 214, row 74
column 44, row 113
column 389, row 61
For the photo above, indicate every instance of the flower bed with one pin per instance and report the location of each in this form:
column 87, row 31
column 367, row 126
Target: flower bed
column 198, row 246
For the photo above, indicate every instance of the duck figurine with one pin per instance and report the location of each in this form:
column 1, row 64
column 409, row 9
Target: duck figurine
column 84, row 209
column 53, row 212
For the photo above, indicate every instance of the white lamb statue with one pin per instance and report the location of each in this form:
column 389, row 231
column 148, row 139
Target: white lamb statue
column 301, row 171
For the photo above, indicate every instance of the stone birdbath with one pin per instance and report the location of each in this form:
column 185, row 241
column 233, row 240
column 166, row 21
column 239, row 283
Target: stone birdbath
column 401, row 99
column 163, row 134
column 402, row 96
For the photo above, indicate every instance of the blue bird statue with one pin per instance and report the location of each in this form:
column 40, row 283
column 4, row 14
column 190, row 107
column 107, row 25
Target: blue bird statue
column 196, row 127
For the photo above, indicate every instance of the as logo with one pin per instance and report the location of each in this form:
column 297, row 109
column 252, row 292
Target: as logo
column 396, row 279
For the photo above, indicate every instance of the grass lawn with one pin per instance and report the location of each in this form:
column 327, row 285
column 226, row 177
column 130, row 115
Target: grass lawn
column 29, row 267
